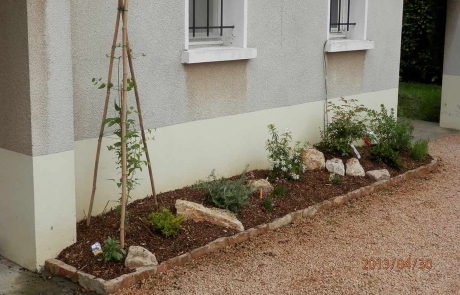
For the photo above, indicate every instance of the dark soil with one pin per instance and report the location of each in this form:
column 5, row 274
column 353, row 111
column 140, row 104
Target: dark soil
column 313, row 188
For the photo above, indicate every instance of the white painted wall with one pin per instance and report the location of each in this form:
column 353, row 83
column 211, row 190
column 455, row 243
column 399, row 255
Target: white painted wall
column 185, row 153
column 450, row 102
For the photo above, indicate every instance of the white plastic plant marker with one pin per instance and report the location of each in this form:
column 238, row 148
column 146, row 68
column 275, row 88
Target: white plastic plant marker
column 356, row 151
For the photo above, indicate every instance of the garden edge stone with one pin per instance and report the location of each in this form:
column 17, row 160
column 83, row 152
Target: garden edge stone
column 100, row 286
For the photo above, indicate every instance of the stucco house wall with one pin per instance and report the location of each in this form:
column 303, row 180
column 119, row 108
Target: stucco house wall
column 207, row 116
column 214, row 115
column 450, row 103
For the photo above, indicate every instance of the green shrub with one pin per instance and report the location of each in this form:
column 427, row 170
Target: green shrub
column 385, row 154
column 226, row 194
column 267, row 203
column 420, row 150
column 112, row 251
column 396, row 134
column 280, row 190
column 422, row 46
column 347, row 125
column 335, row 179
column 285, row 160
column 165, row 222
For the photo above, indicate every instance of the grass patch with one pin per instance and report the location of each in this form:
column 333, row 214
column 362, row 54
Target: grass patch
column 419, row 101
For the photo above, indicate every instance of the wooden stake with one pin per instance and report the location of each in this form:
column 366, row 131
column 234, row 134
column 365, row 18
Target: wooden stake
column 124, row 107
column 104, row 115
column 141, row 123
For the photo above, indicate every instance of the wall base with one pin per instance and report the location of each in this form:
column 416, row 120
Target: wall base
column 37, row 212
column 450, row 102
column 185, row 153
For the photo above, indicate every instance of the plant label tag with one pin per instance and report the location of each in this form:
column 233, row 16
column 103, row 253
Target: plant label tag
column 96, row 249
column 356, row 151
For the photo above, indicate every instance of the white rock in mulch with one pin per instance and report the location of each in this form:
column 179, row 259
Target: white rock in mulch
column 264, row 184
column 198, row 212
column 140, row 257
column 354, row 168
column 335, row 166
column 378, row 175
column 313, row 159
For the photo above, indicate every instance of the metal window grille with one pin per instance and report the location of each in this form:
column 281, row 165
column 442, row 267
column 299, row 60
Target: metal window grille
column 194, row 28
column 340, row 16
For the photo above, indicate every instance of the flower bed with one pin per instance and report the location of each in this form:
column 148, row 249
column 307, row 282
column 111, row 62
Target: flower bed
column 312, row 193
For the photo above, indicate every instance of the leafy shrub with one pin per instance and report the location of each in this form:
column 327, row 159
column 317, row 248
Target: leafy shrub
column 280, row 190
column 226, row 194
column 391, row 132
column 285, row 160
column 165, row 222
column 420, row 150
column 422, row 47
column 385, row 154
column 335, row 179
column 267, row 203
column 112, row 251
column 403, row 135
column 347, row 125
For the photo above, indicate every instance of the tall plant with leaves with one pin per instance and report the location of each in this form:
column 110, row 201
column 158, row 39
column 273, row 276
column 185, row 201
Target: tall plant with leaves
column 348, row 124
column 396, row 133
column 134, row 148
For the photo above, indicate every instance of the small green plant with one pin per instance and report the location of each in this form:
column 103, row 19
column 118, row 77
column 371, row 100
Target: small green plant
column 347, row 125
column 419, row 150
column 285, row 160
column 335, row 179
column 165, row 222
column 267, row 203
column 280, row 188
column 112, row 251
column 385, row 154
column 226, row 194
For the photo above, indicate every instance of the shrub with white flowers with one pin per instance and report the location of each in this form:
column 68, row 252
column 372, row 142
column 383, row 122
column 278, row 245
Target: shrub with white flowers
column 285, row 160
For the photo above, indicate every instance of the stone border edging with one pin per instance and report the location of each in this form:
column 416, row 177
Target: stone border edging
column 100, row 286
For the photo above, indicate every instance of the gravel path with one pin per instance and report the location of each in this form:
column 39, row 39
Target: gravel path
column 324, row 255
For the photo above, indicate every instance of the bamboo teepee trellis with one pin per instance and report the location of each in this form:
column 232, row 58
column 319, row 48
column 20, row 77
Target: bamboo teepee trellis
column 122, row 14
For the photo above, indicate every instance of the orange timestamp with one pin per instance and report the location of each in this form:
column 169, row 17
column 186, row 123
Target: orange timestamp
column 394, row 263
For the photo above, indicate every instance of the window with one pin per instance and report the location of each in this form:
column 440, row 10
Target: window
column 347, row 26
column 216, row 30
column 206, row 21
column 340, row 23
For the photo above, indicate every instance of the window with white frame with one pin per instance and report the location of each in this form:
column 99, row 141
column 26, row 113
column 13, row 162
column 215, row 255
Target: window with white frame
column 348, row 19
column 216, row 30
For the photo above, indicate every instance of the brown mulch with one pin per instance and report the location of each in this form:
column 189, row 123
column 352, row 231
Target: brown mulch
column 313, row 188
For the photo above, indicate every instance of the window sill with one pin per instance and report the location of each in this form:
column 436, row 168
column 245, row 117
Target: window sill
column 342, row 45
column 217, row 53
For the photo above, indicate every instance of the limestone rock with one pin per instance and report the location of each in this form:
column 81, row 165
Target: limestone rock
column 314, row 159
column 197, row 213
column 354, row 168
column 378, row 175
column 140, row 257
column 335, row 166
column 264, row 184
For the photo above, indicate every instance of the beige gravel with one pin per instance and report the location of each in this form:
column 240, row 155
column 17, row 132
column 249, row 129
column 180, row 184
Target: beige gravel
column 324, row 255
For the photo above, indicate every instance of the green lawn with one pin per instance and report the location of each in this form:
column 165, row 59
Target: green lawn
column 419, row 101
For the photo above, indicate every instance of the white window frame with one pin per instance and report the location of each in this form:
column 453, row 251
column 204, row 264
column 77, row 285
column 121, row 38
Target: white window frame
column 356, row 37
column 233, row 45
